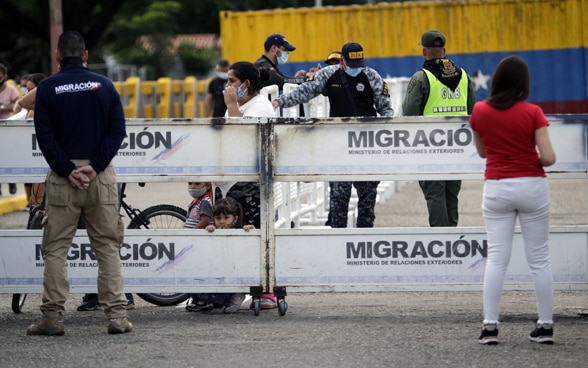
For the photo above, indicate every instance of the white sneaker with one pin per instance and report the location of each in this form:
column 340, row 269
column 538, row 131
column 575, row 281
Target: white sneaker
column 235, row 303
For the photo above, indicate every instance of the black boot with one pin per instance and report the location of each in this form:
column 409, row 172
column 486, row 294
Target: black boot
column 89, row 303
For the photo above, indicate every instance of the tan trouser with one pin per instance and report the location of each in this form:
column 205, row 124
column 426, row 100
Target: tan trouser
column 99, row 206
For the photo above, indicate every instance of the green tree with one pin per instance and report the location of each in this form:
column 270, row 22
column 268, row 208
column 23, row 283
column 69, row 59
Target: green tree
column 25, row 41
column 114, row 27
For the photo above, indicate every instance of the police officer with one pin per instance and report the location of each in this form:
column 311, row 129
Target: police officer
column 276, row 52
column 353, row 89
column 440, row 88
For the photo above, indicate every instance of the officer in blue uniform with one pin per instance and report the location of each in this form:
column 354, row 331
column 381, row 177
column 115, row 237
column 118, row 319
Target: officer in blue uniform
column 353, row 89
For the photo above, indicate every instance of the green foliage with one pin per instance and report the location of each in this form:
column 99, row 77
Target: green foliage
column 196, row 61
column 120, row 28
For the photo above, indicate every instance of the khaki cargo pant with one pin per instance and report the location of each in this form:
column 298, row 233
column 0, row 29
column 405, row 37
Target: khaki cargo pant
column 99, row 206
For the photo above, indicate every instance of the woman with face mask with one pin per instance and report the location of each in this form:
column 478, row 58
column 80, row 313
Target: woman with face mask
column 242, row 96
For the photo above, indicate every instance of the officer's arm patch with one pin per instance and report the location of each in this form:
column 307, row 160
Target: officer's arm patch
column 385, row 89
column 411, row 84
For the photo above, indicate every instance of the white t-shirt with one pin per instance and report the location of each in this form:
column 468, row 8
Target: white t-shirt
column 258, row 107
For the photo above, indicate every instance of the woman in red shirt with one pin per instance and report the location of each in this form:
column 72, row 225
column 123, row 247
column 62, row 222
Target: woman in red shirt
column 508, row 131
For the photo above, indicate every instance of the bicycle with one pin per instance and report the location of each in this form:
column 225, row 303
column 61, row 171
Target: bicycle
column 161, row 216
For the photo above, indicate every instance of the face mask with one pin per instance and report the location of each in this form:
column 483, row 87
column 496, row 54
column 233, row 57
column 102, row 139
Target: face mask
column 240, row 92
column 223, row 75
column 23, row 90
column 353, row 72
column 283, row 58
column 197, row 193
column 228, row 226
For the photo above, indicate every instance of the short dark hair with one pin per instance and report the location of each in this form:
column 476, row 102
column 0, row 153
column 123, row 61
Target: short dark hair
column 223, row 63
column 3, row 69
column 71, row 43
column 510, row 83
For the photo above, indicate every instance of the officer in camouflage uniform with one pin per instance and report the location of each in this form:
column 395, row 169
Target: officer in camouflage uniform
column 353, row 89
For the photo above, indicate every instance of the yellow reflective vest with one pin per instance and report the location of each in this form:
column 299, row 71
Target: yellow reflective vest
column 443, row 101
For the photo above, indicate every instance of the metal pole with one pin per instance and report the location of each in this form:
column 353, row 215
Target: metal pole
column 56, row 28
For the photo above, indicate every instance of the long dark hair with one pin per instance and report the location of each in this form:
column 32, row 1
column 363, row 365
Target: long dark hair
column 229, row 206
column 36, row 78
column 245, row 70
column 510, row 83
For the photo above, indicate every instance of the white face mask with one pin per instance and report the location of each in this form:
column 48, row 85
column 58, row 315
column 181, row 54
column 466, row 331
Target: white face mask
column 283, row 58
column 197, row 193
column 222, row 75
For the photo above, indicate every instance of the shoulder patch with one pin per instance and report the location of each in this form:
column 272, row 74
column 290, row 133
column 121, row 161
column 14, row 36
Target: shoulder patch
column 385, row 89
column 411, row 84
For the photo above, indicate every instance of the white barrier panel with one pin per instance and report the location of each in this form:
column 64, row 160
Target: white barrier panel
column 376, row 147
column 166, row 148
column 402, row 146
column 152, row 261
column 415, row 259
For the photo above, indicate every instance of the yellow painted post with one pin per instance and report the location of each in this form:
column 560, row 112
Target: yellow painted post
column 148, row 99
column 190, row 97
column 130, row 93
column 163, row 98
column 202, row 88
column 177, row 98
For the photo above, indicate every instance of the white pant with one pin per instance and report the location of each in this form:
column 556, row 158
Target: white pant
column 503, row 200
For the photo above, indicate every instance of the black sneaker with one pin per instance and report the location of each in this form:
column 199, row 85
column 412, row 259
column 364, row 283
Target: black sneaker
column 198, row 306
column 130, row 301
column 89, row 303
column 489, row 335
column 542, row 334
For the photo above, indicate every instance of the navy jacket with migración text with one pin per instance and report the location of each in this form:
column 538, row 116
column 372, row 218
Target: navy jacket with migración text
column 78, row 115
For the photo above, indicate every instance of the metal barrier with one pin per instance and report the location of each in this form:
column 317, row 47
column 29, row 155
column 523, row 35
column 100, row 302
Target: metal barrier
column 274, row 151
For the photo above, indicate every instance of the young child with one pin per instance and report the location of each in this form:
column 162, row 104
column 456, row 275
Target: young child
column 200, row 209
column 227, row 214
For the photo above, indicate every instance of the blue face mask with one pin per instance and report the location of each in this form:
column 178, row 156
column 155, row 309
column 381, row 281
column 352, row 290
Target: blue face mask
column 223, row 75
column 240, row 92
column 353, row 72
column 283, row 58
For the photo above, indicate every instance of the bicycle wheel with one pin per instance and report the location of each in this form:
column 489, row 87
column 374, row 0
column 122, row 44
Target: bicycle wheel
column 163, row 299
column 34, row 222
column 161, row 216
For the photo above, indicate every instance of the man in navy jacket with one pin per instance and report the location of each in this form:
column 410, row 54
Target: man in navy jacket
column 80, row 125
